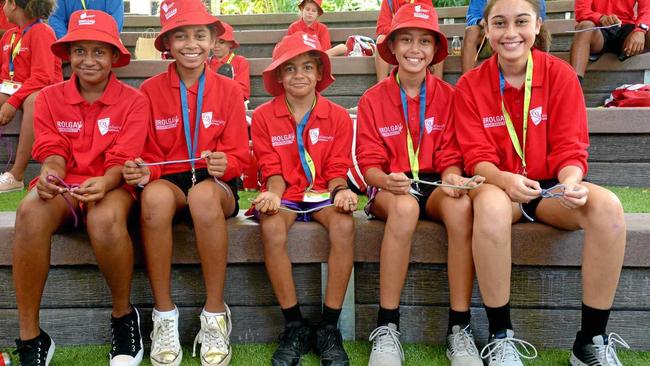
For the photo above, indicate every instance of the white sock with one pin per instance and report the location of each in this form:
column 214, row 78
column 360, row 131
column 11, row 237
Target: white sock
column 166, row 314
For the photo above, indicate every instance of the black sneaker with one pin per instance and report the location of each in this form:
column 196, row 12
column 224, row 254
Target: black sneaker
column 601, row 353
column 35, row 352
column 295, row 341
column 126, row 341
column 329, row 346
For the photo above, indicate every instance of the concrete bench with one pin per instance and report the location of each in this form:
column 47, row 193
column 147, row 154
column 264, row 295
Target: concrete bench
column 345, row 19
column 545, row 290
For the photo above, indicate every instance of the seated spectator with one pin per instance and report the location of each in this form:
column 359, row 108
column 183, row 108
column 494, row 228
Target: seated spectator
column 627, row 39
column 5, row 24
column 64, row 8
column 310, row 11
column 225, row 62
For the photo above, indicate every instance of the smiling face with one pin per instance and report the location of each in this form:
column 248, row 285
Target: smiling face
column 414, row 49
column 309, row 12
column 221, row 48
column 91, row 61
column 300, row 75
column 189, row 45
column 512, row 26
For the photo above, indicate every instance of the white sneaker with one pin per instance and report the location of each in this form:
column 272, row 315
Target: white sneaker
column 9, row 184
column 165, row 344
column 503, row 351
column 602, row 352
column 214, row 339
column 386, row 348
column 461, row 349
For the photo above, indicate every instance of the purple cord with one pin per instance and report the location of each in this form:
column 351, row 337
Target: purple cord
column 51, row 178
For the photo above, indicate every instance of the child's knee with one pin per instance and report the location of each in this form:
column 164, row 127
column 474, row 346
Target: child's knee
column 406, row 207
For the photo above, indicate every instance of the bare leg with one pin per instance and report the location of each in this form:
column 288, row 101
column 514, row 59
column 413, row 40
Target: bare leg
column 583, row 44
column 338, row 50
column 276, row 257
column 469, row 51
column 381, row 67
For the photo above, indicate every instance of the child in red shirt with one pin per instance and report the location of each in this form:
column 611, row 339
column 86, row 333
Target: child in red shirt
column 405, row 131
column 198, row 142
column 27, row 66
column 302, row 143
column 225, row 62
column 310, row 11
column 522, row 123
column 85, row 129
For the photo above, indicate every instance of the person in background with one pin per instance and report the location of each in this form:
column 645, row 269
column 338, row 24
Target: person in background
column 59, row 19
column 310, row 11
column 225, row 62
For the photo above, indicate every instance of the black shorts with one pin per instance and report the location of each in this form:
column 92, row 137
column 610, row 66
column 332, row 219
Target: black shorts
column 614, row 40
column 531, row 206
column 425, row 190
column 183, row 180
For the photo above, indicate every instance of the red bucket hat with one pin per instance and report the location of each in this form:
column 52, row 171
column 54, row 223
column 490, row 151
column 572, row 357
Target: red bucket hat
column 91, row 25
column 290, row 47
column 228, row 34
column 179, row 13
column 414, row 16
column 318, row 3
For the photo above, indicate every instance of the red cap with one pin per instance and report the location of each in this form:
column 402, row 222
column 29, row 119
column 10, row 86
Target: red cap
column 414, row 16
column 290, row 47
column 180, row 13
column 317, row 2
column 228, row 35
column 91, row 25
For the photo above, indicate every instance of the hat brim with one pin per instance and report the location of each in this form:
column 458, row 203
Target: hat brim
column 275, row 88
column 61, row 48
column 441, row 53
column 185, row 19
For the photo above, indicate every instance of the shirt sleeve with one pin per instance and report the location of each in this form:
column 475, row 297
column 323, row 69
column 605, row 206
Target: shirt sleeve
column 268, row 160
column 48, row 141
column 58, row 20
column 42, row 68
column 472, row 139
column 293, row 28
column 131, row 138
column 371, row 152
column 324, row 37
column 385, row 18
column 116, row 9
column 340, row 160
column 243, row 77
column 583, row 10
column 643, row 11
column 234, row 139
column 475, row 12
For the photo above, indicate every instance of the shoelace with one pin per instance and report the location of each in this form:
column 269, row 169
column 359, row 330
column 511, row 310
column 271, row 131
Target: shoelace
column 31, row 354
column 69, row 187
column 463, row 343
column 167, row 162
column 292, row 336
column 386, row 339
column 123, row 339
column 213, row 338
column 163, row 333
column 504, row 349
column 439, row 183
column 331, row 338
column 556, row 191
column 607, row 353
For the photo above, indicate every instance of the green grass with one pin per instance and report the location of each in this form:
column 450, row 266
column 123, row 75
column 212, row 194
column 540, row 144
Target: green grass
column 260, row 354
column 635, row 200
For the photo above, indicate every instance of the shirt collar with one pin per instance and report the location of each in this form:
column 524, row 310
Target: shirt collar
column 394, row 88
column 110, row 96
column 321, row 109
column 175, row 81
column 312, row 26
column 539, row 61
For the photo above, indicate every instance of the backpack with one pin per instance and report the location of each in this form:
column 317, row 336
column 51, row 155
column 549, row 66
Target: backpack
column 630, row 95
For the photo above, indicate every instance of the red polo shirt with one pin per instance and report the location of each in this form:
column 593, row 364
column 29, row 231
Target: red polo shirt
column 624, row 9
column 35, row 66
column 386, row 15
column 327, row 138
column 241, row 70
column 223, row 123
column 381, row 132
column 317, row 29
column 92, row 138
column 557, row 123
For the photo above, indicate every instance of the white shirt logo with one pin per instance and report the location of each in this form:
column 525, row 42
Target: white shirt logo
column 282, row 140
column 86, row 19
column 493, row 121
column 428, row 124
column 393, row 130
column 166, row 123
column 103, row 125
column 313, row 135
column 536, row 115
column 69, row 126
column 207, row 119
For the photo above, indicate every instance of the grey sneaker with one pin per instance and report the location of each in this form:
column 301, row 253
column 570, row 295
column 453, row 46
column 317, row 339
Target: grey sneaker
column 502, row 350
column 386, row 348
column 601, row 353
column 165, row 344
column 9, row 184
column 461, row 349
column 214, row 338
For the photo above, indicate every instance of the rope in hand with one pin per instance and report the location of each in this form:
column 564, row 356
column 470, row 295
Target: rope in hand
column 51, row 178
column 251, row 200
column 439, row 183
column 557, row 191
column 167, row 162
column 593, row 28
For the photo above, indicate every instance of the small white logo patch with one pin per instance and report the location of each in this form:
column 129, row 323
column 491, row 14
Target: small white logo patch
column 207, row 119
column 428, row 124
column 313, row 135
column 536, row 115
column 103, row 125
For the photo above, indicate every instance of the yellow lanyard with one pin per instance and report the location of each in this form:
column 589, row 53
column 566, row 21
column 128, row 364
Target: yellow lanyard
column 305, row 159
column 83, row 4
column 232, row 55
column 413, row 153
column 15, row 51
column 519, row 148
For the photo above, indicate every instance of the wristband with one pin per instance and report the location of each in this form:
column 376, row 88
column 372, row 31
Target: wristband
column 336, row 190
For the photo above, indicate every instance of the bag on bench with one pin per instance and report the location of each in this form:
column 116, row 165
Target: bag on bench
column 629, row 95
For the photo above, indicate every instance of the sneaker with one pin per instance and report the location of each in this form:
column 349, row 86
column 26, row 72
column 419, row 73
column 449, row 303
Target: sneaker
column 294, row 342
column 502, row 350
column 461, row 349
column 329, row 346
column 36, row 352
column 165, row 344
column 9, row 184
column 601, row 353
column 214, row 339
column 386, row 348
column 126, row 340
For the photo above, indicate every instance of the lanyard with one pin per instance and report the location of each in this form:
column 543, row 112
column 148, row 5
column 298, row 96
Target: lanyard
column 232, row 55
column 192, row 144
column 305, row 159
column 83, row 4
column 519, row 148
column 15, row 51
column 413, row 154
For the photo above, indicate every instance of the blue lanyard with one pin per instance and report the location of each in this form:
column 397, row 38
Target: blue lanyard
column 14, row 51
column 414, row 153
column 305, row 159
column 192, row 144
